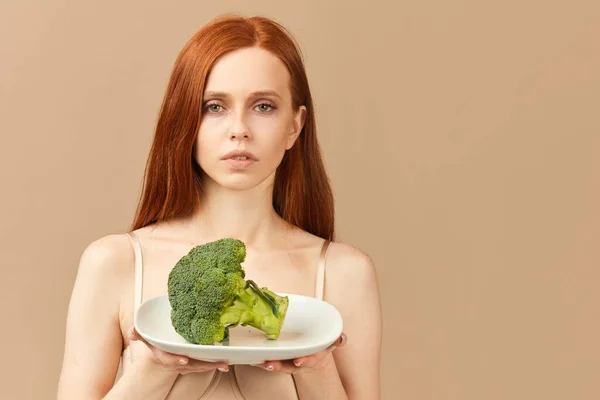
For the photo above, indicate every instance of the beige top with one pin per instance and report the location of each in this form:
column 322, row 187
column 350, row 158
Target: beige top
column 242, row 382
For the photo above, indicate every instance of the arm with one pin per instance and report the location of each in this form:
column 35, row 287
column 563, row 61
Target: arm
column 143, row 382
column 351, row 371
column 352, row 271
column 93, row 342
column 321, row 382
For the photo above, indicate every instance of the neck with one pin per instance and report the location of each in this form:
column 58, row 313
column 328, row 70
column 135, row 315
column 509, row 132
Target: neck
column 246, row 215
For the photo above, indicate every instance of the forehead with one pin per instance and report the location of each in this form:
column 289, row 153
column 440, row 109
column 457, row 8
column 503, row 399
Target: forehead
column 244, row 71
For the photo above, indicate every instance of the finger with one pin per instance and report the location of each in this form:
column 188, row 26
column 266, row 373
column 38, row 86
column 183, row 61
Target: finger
column 340, row 342
column 309, row 361
column 207, row 364
column 314, row 359
column 172, row 360
column 203, row 366
column 287, row 366
column 163, row 356
column 267, row 365
column 134, row 335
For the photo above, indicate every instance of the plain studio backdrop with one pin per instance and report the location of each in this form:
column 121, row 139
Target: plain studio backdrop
column 462, row 139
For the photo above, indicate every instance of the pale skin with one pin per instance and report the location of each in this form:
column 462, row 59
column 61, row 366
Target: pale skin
column 235, row 204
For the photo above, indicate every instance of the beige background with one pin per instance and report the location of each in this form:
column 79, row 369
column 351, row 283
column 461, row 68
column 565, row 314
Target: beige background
column 462, row 139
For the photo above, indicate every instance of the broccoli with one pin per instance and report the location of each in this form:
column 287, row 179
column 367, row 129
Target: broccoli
column 208, row 295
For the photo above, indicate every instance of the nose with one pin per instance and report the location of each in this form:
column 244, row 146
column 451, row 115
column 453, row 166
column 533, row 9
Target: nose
column 239, row 128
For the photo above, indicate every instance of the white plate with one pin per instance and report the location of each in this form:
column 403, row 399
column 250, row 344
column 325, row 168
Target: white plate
column 310, row 325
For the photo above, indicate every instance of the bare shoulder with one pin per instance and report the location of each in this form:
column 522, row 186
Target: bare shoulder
column 107, row 259
column 105, row 275
column 344, row 261
column 349, row 267
column 108, row 250
column 347, row 262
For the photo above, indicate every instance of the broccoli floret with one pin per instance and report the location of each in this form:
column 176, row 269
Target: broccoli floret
column 209, row 295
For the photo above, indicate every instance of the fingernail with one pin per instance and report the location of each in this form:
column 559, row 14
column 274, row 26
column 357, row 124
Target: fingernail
column 183, row 361
column 223, row 369
column 298, row 364
column 270, row 368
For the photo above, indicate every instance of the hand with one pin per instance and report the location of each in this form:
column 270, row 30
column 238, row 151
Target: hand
column 299, row 364
column 173, row 362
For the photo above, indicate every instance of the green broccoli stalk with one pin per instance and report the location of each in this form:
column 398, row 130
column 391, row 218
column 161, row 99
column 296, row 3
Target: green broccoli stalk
column 209, row 295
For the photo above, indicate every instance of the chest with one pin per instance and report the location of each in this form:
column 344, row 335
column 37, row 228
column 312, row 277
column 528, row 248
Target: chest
column 282, row 271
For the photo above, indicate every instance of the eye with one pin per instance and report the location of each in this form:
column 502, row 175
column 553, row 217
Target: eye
column 212, row 108
column 265, row 107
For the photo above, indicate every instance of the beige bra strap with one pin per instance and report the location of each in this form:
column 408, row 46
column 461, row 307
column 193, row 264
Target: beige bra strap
column 137, row 250
column 320, row 281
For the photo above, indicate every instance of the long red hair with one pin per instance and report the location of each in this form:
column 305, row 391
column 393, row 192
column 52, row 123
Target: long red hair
column 302, row 194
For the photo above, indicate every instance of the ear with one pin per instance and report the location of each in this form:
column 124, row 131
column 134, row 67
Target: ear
column 298, row 125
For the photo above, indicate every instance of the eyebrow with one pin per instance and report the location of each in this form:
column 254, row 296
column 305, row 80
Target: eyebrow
column 253, row 94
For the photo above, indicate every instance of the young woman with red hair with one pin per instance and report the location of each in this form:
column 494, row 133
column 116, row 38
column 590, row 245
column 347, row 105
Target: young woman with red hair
column 235, row 154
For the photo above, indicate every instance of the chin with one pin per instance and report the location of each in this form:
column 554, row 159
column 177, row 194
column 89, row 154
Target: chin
column 239, row 181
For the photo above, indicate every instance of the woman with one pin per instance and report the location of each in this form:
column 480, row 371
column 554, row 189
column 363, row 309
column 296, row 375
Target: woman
column 235, row 154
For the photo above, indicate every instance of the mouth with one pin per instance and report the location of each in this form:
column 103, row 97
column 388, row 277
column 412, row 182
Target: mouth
column 238, row 155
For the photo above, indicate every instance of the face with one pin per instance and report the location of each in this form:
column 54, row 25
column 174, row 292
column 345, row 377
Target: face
column 248, row 121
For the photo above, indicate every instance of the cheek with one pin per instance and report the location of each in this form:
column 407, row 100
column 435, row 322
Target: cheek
column 271, row 138
column 201, row 154
column 272, row 132
column 211, row 129
column 208, row 138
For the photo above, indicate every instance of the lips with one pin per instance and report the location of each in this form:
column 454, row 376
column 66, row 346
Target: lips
column 239, row 155
column 239, row 160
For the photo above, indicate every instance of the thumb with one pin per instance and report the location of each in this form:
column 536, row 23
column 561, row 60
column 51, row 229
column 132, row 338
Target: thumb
column 341, row 341
column 134, row 335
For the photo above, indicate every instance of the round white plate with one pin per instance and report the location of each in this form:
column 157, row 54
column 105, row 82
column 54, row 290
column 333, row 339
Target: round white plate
column 310, row 325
